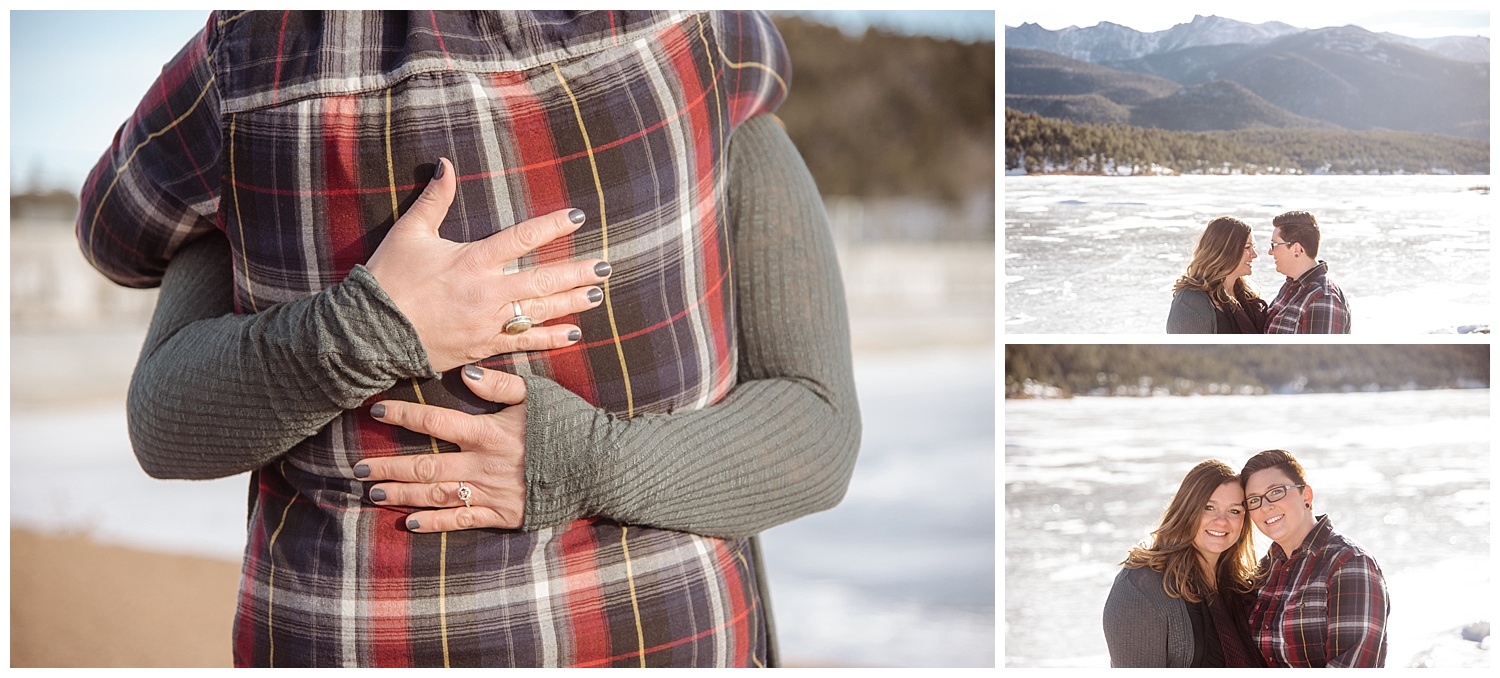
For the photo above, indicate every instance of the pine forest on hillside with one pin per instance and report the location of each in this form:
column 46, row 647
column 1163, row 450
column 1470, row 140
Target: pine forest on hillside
column 1038, row 144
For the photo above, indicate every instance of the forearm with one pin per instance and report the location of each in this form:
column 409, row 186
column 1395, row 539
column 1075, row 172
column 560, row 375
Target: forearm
column 782, row 444
column 214, row 394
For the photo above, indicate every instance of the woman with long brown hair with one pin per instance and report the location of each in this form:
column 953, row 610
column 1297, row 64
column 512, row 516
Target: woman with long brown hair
column 1183, row 600
column 1214, row 295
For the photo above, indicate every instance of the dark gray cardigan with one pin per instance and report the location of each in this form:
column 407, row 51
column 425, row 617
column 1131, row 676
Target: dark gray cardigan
column 1145, row 627
column 1192, row 313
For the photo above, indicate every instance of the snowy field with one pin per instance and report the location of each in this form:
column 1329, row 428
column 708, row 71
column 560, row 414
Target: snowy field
column 1405, row 474
column 1099, row 254
column 902, row 573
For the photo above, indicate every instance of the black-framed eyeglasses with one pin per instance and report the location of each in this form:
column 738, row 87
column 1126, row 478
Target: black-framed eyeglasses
column 1274, row 244
column 1272, row 495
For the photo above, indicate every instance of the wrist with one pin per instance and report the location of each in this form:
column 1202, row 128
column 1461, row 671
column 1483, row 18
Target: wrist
column 559, row 464
column 400, row 338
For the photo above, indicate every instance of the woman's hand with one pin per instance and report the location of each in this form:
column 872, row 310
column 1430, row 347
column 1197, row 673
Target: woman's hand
column 491, row 461
column 458, row 296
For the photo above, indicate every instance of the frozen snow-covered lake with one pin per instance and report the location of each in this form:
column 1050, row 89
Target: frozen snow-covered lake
column 1405, row 474
column 1099, row 254
column 902, row 573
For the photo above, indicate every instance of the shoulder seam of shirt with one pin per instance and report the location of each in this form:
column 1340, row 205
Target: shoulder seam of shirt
column 375, row 81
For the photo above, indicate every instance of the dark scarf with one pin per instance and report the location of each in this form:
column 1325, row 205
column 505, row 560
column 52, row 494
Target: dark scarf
column 1231, row 616
column 1246, row 317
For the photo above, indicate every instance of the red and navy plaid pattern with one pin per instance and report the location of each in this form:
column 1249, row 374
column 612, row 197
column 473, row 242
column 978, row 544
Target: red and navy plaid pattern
column 1325, row 606
column 1311, row 304
column 303, row 136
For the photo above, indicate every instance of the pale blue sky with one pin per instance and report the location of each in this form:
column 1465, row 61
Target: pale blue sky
column 77, row 75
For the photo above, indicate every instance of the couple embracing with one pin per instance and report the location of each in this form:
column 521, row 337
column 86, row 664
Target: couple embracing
column 1215, row 295
column 1196, row 597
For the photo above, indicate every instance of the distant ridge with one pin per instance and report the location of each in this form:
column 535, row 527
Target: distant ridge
column 1359, row 80
column 1113, row 42
column 1216, row 74
column 1037, row 72
column 1090, row 109
column 1218, row 105
column 1107, row 42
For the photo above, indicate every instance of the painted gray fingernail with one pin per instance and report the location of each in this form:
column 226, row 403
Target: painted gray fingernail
column 595, row 295
column 575, row 215
column 412, row 524
column 602, row 269
column 377, row 494
column 473, row 372
column 362, row 471
column 438, row 173
column 574, row 335
column 377, row 410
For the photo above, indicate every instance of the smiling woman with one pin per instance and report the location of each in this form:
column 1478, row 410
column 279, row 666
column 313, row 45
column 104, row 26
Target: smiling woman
column 1215, row 294
column 1180, row 601
column 1323, row 599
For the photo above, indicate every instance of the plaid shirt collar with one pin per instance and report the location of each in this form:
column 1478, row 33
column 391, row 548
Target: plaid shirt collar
column 1311, row 276
column 1316, row 539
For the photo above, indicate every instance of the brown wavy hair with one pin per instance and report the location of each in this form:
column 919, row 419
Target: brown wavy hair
column 1172, row 553
column 1217, row 256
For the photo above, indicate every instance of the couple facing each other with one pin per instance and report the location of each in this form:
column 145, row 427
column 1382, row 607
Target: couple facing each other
column 1195, row 596
column 1215, row 295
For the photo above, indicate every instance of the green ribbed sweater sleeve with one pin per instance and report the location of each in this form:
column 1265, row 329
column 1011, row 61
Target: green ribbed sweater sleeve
column 213, row 395
column 782, row 444
column 217, row 394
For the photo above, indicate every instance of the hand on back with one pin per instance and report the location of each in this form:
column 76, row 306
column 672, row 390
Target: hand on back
column 481, row 485
column 458, row 296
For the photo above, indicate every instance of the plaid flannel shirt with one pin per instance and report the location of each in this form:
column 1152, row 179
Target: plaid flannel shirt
column 303, row 136
column 1324, row 606
column 1311, row 304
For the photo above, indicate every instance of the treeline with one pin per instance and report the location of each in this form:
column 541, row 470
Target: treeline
column 1047, row 144
column 887, row 115
column 1080, row 369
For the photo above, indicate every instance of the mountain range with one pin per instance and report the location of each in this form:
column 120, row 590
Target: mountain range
column 1113, row 42
column 1220, row 74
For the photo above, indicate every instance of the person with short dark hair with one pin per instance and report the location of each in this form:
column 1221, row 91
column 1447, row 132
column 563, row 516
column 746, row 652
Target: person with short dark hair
column 1322, row 599
column 1309, row 302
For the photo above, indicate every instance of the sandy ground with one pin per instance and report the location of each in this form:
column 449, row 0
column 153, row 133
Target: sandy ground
column 74, row 603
